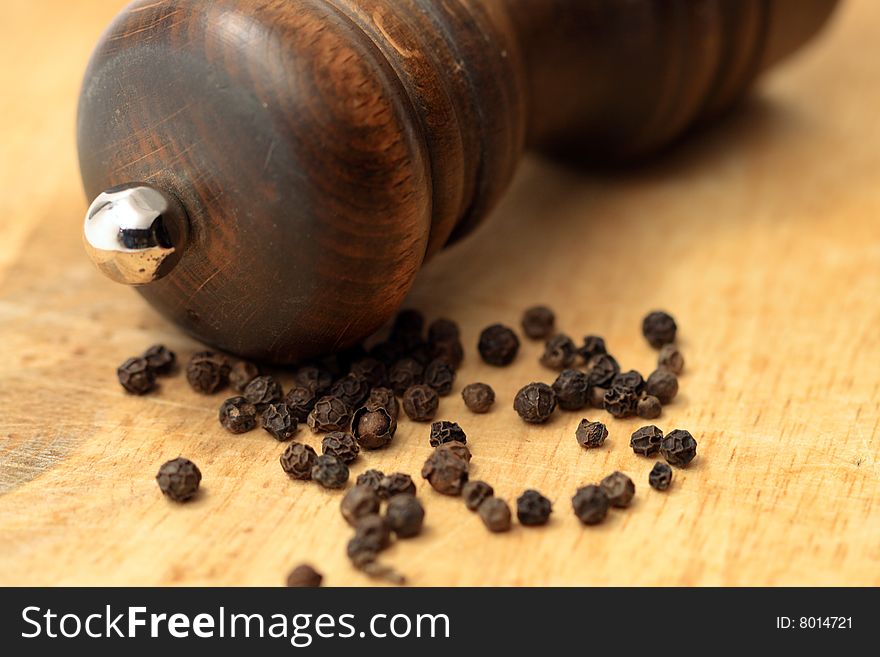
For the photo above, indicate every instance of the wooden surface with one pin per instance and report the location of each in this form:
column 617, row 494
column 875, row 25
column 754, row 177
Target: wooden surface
column 761, row 236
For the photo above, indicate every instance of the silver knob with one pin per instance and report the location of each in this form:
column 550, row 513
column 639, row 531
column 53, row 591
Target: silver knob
column 135, row 233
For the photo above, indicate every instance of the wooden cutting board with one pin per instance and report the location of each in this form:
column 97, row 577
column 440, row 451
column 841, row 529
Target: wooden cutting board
column 762, row 236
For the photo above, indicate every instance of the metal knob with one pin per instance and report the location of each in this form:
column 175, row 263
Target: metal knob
column 135, row 233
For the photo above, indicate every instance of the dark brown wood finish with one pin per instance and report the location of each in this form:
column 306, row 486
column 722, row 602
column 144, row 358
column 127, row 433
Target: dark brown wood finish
column 324, row 148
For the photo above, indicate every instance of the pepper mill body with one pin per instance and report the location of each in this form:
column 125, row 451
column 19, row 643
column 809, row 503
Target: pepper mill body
column 272, row 174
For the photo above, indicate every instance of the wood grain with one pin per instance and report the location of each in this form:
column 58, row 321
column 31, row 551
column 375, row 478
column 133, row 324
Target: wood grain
column 762, row 236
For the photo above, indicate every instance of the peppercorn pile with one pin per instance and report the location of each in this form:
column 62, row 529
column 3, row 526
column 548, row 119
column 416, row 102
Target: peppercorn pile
column 351, row 400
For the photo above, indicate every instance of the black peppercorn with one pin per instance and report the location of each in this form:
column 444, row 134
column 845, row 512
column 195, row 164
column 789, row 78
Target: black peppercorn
column 278, row 421
column 670, row 358
column 304, row 576
column 300, row 401
column 407, row 324
column 590, row 504
column 341, row 445
column 478, row 397
column 136, row 376
column 383, row 398
column 659, row 328
column 297, row 460
column 445, row 471
column 649, row 407
column 678, row 448
column 374, row 531
column 397, row 483
column 572, row 388
column 420, row 352
column 646, row 441
column 329, row 414
column 498, row 345
column 449, row 351
column 559, row 352
column 533, row 509
column 660, row 476
column 388, row 352
column 495, row 515
column 360, row 501
column 179, row 479
column 631, row 380
column 621, row 402
column 439, row 375
column 330, row 472
column 405, row 373
column 591, row 434
column 459, row 449
column 238, row 415
column 315, row 379
column 207, row 372
column 262, row 391
column 619, row 488
column 443, row 330
column 475, row 492
column 241, row 374
column 353, row 389
column 602, row 369
column 420, row 403
column 535, row 403
column 593, row 346
column 373, row 429
column 371, row 478
column 597, row 397
column 538, row 322
column 663, row 385
column 372, row 369
column 160, row 359
column 444, row 432
column 404, row 515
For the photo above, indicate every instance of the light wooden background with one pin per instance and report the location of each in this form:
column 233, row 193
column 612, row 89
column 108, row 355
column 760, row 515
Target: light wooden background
column 762, row 236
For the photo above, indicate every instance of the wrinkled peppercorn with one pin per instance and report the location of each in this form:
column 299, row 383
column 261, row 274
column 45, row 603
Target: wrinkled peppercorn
column 444, row 432
column 421, row 353
column 572, row 388
column 445, row 471
column 405, row 373
column 372, row 369
column 300, row 401
column 179, row 479
column 478, row 397
column 559, row 352
column 315, row 379
column 443, row 330
column 646, row 440
column 408, row 323
column 535, row 403
column 660, row 476
column 360, row 501
column 352, row 389
column 371, row 478
column 495, row 514
column 397, row 483
column 439, row 375
column 449, row 351
column 475, row 492
column 207, row 372
column 597, row 397
column 498, row 345
column 263, row 390
column 602, row 369
column 420, row 403
column 591, row 434
column 304, row 576
column 330, row 472
column 631, row 380
column 621, row 402
column 340, row 444
column 329, row 414
column 241, row 374
column 593, row 346
column 278, row 421
column 383, row 398
column 538, row 322
column 373, row 429
column 533, row 509
column 374, row 531
column 136, row 376
column 590, row 504
column 659, row 328
column 459, row 449
column 678, row 448
column 663, row 385
column 649, row 407
column 297, row 460
column 404, row 515
column 238, row 415
column 619, row 488
column 160, row 359
column 670, row 358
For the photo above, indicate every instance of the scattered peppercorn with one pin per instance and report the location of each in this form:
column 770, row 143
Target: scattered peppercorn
column 663, row 384
column 340, row 444
column 160, row 359
column 420, row 403
column 678, row 448
column 420, row 352
column 444, row 431
column 374, row 531
column 621, row 402
column 591, row 434
column 372, row 369
column 388, row 352
column 459, row 449
column 297, row 460
column 330, row 472
column 538, row 322
column 179, row 479
column 660, row 476
column 590, row 504
column 383, row 398
column 535, row 403
column 136, row 376
column 207, row 372
column 238, row 415
column 597, row 397
column 263, row 390
column 593, row 346
column 602, row 369
column 445, row 471
column 278, row 421
column 646, row 440
column 572, row 388
column 315, row 379
column 533, row 509
column 371, row 478
column 443, row 330
column 397, row 483
column 404, row 515
column 450, row 351
column 649, row 407
column 478, row 397
column 405, row 373
column 619, row 488
column 408, row 324
column 670, row 358
column 475, row 492
column 329, row 414
column 659, row 328
column 360, row 501
column 439, row 375
column 498, row 345
column 495, row 514
column 304, row 576
column 352, row 389
column 300, row 401
column 373, row 429
column 631, row 380
column 559, row 352
column 241, row 374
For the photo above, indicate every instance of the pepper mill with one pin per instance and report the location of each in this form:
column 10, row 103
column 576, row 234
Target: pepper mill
column 271, row 174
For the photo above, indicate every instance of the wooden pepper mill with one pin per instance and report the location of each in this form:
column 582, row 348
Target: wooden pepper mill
column 272, row 173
